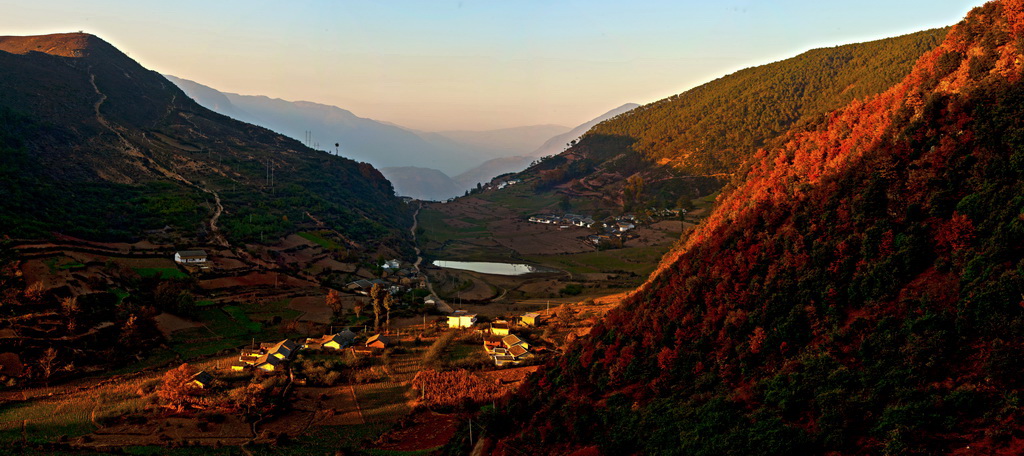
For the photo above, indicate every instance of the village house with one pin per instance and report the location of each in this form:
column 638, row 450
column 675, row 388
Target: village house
column 513, row 340
column 268, row 357
column 201, row 379
column 378, row 342
column 330, row 341
column 268, row 363
column 250, row 356
column 190, row 256
column 500, row 328
column 280, row 350
column 461, row 319
column 363, row 286
column 492, row 342
column 391, row 265
column 530, row 319
column 515, row 351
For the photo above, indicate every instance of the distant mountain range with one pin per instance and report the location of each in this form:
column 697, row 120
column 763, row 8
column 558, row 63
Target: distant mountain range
column 97, row 146
column 418, row 163
column 553, row 146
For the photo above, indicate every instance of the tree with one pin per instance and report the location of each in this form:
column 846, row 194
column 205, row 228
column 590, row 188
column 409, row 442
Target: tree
column 565, row 204
column 177, row 390
column 389, row 301
column 334, row 302
column 357, row 307
column 377, row 293
column 71, row 310
column 248, row 398
column 336, row 146
column 47, row 362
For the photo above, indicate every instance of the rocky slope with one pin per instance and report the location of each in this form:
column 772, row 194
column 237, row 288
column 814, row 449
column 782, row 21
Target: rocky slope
column 857, row 292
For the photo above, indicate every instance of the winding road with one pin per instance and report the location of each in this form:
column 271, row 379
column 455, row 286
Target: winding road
column 419, row 257
column 130, row 148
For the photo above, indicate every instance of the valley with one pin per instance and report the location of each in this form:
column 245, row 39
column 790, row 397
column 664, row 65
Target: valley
column 821, row 255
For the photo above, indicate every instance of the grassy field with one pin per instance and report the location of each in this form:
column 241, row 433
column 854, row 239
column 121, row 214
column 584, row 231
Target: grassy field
column 167, row 273
column 438, row 229
column 320, row 240
column 266, row 311
column 638, row 260
column 522, row 199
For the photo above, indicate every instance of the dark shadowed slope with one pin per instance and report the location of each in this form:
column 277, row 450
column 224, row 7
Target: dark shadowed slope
column 96, row 145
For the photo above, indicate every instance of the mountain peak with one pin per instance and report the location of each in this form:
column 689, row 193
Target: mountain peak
column 59, row 44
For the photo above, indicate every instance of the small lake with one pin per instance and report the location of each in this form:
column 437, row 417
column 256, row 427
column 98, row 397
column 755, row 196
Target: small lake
column 508, row 269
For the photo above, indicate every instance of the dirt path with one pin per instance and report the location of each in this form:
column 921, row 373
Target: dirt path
column 355, row 400
column 218, row 237
column 419, row 257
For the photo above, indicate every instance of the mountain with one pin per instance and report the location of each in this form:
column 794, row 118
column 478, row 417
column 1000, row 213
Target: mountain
column 557, row 144
column 493, row 168
column 858, row 291
column 422, row 183
column 506, row 141
column 380, row 144
column 519, row 161
column 690, row 144
column 97, row 146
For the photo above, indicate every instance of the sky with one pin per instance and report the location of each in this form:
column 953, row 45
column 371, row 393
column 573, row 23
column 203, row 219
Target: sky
column 440, row 65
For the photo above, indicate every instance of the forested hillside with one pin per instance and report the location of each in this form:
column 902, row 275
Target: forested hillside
column 709, row 131
column 858, row 292
column 97, row 146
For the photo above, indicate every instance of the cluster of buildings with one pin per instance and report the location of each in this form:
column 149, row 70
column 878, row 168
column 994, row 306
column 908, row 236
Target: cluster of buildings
column 396, row 278
column 503, row 184
column 504, row 347
column 564, row 221
column 270, row 356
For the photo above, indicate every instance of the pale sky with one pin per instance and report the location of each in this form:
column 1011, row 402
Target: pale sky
column 471, row 65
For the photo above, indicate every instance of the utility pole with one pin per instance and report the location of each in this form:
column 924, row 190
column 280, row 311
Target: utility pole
column 470, row 434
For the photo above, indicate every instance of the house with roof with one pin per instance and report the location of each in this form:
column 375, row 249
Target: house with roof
column 201, row 379
column 268, row 363
column 492, row 342
column 391, row 265
column 378, row 341
column 330, row 341
column 530, row 319
column 250, row 356
column 358, row 285
column 500, row 328
column 513, row 340
column 190, row 256
column 461, row 319
column 281, row 350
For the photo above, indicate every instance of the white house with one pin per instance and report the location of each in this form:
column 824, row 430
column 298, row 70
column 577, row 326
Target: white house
column 190, row 256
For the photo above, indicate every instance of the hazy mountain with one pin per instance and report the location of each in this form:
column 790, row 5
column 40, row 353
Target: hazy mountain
column 361, row 139
column 98, row 146
column 857, row 292
column 557, row 144
column 518, row 162
column 505, row 142
column 422, row 183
